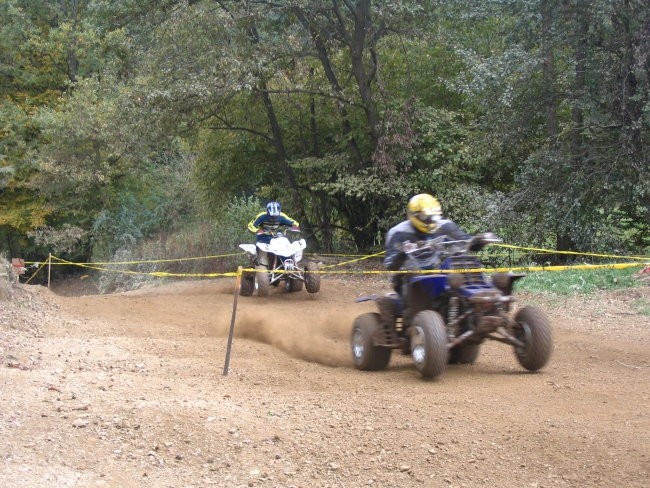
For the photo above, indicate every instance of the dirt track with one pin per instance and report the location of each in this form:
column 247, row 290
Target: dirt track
column 127, row 390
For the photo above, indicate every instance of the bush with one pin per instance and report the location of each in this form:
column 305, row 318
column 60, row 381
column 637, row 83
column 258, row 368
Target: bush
column 200, row 247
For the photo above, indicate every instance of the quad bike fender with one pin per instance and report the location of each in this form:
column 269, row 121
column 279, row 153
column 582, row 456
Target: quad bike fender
column 283, row 247
column 505, row 281
column 390, row 301
column 249, row 248
column 264, row 246
column 298, row 245
column 432, row 285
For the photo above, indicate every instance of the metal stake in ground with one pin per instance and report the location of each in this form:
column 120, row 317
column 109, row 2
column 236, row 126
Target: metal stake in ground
column 232, row 321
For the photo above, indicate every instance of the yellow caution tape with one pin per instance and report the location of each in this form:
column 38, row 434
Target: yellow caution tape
column 334, row 255
column 356, row 260
column 143, row 273
column 575, row 253
column 157, row 260
column 470, row 270
column 511, row 246
column 325, row 270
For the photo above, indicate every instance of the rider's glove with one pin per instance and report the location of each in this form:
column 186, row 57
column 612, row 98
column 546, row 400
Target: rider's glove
column 295, row 228
column 409, row 246
column 479, row 241
column 260, row 232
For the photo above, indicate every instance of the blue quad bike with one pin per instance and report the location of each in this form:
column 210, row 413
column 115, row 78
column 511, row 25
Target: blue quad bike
column 450, row 313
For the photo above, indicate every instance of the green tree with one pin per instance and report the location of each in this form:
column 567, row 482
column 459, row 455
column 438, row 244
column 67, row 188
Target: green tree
column 561, row 99
column 45, row 46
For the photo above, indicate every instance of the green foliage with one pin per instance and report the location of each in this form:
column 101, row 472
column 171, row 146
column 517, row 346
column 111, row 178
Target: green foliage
column 231, row 226
column 441, row 153
column 156, row 200
column 555, row 115
column 124, row 120
column 215, row 244
column 560, row 196
column 227, row 165
column 60, row 240
column 421, row 68
column 31, row 63
column 474, row 208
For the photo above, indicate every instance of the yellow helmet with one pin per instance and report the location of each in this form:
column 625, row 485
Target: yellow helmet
column 424, row 212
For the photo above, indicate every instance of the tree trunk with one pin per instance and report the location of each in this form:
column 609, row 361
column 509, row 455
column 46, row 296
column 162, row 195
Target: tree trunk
column 72, row 60
column 278, row 143
column 323, row 56
column 580, row 60
column 315, row 146
column 635, row 60
column 362, row 26
column 549, row 92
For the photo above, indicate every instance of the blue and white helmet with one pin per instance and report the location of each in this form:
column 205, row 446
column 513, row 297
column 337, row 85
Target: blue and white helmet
column 273, row 209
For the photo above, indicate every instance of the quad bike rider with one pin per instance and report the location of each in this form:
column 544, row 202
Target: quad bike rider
column 424, row 223
column 275, row 257
column 443, row 317
column 265, row 224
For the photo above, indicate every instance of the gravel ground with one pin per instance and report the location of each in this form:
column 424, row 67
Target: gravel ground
column 129, row 390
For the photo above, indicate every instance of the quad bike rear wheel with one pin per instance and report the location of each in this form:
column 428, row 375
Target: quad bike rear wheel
column 263, row 279
column 366, row 355
column 534, row 330
column 247, row 286
column 312, row 277
column 429, row 343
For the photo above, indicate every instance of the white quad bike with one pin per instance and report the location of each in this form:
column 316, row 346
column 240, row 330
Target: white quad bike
column 278, row 263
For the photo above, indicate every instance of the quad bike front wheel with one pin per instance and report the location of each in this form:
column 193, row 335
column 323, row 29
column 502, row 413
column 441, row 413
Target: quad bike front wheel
column 247, row 286
column 312, row 277
column 294, row 284
column 263, row 279
column 366, row 355
column 534, row 330
column 429, row 343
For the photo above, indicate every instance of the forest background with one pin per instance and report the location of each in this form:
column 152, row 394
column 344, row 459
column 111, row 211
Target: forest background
column 141, row 129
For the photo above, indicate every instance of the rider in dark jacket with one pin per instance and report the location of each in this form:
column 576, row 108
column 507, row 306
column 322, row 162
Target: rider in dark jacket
column 266, row 223
column 424, row 223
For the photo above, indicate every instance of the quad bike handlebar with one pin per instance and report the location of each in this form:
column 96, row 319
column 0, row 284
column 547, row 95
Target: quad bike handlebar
column 431, row 252
column 441, row 243
column 278, row 232
column 479, row 241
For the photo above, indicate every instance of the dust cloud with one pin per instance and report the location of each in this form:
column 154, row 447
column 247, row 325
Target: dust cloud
column 320, row 339
column 310, row 327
